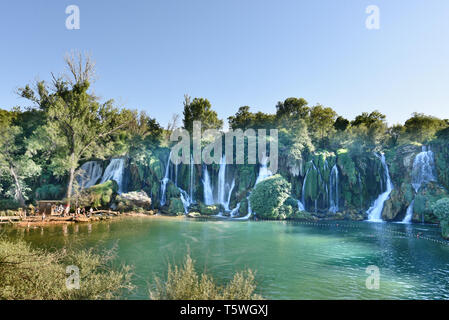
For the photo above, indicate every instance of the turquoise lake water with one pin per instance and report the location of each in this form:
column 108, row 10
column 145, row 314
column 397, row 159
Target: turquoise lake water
column 325, row 260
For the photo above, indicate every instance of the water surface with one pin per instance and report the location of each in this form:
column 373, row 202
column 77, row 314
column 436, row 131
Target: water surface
column 325, row 260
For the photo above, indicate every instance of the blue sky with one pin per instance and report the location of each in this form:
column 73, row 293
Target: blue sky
column 238, row 52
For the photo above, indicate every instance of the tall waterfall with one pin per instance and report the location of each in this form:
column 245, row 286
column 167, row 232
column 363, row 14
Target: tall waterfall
column 375, row 212
column 423, row 168
column 422, row 173
column 114, row 171
column 192, row 179
column 165, row 181
column 89, row 173
column 222, row 181
column 207, row 188
column 333, row 190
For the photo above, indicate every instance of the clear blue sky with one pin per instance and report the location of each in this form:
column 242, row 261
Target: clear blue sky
column 239, row 52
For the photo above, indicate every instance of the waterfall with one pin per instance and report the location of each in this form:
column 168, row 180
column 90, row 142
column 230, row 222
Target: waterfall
column 333, row 190
column 207, row 188
column 192, row 179
column 89, row 173
column 301, row 206
column 263, row 171
column 375, row 212
column 114, row 171
column 304, row 190
column 222, row 181
column 423, row 169
column 186, row 201
column 422, row 173
column 409, row 214
column 235, row 211
column 165, row 181
column 176, row 175
column 226, row 204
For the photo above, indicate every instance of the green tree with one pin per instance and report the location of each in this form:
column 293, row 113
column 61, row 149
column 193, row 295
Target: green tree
column 292, row 108
column 341, row 124
column 14, row 158
column 321, row 123
column 200, row 109
column 75, row 116
column 423, row 128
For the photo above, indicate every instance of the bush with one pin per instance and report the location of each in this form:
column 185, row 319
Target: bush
column 183, row 283
column 268, row 197
column 8, row 204
column 176, row 207
column 441, row 210
column 34, row 274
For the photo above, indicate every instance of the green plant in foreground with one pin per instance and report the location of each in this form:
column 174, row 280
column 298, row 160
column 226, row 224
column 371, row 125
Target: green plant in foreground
column 34, row 274
column 183, row 283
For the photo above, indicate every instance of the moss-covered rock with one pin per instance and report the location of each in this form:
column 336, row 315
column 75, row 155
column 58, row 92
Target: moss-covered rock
column 176, row 207
column 133, row 201
column 209, row 210
column 99, row 196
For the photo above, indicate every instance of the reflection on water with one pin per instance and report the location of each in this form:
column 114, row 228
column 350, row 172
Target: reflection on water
column 292, row 260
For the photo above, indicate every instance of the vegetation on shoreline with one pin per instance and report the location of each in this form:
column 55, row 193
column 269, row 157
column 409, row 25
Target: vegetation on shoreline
column 35, row 274
column 184, row 283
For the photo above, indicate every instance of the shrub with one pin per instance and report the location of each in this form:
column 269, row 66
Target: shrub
column 441, row 210
column 183, row 283
column 35, row 274
column 8, row 204
column 176, row 207
column 268, row 197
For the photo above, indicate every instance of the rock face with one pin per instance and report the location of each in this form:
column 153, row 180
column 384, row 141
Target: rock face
column 133, row 200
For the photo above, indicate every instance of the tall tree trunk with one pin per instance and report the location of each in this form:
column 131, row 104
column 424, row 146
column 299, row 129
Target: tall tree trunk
column 19, row 193
column 71, row 179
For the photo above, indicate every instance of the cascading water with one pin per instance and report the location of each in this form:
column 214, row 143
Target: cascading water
column 89, row 173
column 186, row 202
column 304, row 190
column 222, row 181
column 333, row 190
column 263, row 171
column 301, row 206
column 375, row 212
column 423, row 168
column 423, row 172
column 114, row 171
column 207, row 188
column 409, row 214
column 192, row 180
column 165, row 181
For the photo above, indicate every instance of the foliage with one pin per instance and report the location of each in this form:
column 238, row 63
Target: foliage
column 200, row 110
column 269, row 195
column 176, row 207
column 98, row 196
column 441, row 210
column 35, row 274
column 184, row 283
